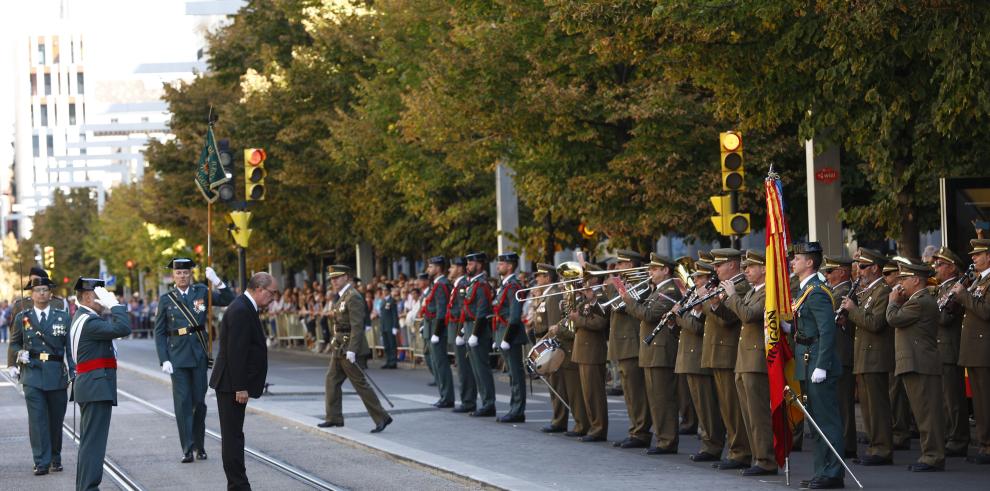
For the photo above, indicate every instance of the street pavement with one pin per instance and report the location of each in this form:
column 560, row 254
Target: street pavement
column 425, row 448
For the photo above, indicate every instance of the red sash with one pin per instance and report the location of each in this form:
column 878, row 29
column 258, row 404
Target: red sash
column 90, row 365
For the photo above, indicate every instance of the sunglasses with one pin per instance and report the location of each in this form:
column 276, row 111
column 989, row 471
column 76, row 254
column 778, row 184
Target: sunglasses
column 864, row 265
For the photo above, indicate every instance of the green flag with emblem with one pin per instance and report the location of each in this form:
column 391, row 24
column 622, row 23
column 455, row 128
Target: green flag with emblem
column 209, row 171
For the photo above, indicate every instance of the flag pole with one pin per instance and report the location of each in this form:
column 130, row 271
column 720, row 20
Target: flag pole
column 209, row 261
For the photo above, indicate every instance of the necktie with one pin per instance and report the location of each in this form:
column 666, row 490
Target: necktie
column 43, row 317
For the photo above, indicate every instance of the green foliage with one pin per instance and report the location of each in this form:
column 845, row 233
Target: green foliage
column 66, row 225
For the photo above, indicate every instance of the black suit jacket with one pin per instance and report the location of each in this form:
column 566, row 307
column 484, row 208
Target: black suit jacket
column 242, row 363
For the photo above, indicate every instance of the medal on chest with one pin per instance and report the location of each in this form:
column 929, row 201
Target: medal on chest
column 199, row 306
column 27, row 323
column 58, row 329
column 866, row 306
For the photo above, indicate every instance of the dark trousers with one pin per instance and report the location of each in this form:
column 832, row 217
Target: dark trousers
column 232, row 440
column 46, row 410
column 465, row 374
column 189, row 399
column 441, row 363
column 481, row 367
column 956, row 408
column 822, row 404
column 93, row 432
column 517, row 380
column 390, row 345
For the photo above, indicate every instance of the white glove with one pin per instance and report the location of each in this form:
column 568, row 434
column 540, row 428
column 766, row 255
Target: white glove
column 473, row 341
column 14, row 372
column 435, row 339
column 818, row 376
column 459, row 340
column 167, row 367
column 395, row 332
column 23, row 357
column 212, row 276
column 105, row 298
column 351, row 356
column 505, row 346
column 786, row 326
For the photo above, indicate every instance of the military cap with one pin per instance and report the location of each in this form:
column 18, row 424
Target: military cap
column 705, row 257
column 181, row 263
column 977, row 246
column 422, row 276
column 83, row 284
column 544, row 268
column 702, row 268
column 835, row 262
column 725, row 254
column 478, row 257
column 438, row 260
column 906, row 270
column 336, row 270
column 608, row 261
column 508, row 257
column 458, row 261
column 43, row 281
column 658, row 260
column 752, row 257
column 592, row 267
column 946, row 254
column 38, row 271
column 622, row 255
column 807, row 248
column 871, row 256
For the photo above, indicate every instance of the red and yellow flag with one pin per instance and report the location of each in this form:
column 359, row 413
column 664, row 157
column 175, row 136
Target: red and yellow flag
column 780, row 358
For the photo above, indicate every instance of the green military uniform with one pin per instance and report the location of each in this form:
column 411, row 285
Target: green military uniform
column 477, row 330
column 183, row 343
column 873, row 362
column 589, row 356
column 435, row 313
column 43, row 337
column 24, row 303
column 93, row 360
column 623, row 351
column 974, row 351
column 900, row 408
column 815, row 338
column 953, row 379
column 915, row 326
column 846, row 386
column 752, row 383
column 721, row 341
column 508, row 329
column 390, row 322
column 455, row 321
column 348, row 336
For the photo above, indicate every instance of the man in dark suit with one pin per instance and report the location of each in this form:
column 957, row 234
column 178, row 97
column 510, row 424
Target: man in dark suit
column 240, row 371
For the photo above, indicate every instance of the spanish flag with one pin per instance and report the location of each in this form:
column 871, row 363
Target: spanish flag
column 780, row 358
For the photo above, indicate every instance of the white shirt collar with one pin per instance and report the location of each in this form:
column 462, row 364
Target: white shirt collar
column 247, row 293
column 479, row 275
column 948, row 280
column 840, row 284
column 985, row 273
column 47, row 310
column 509, row 277
column 664, row 282
column 183, row 292
column 340, row 294
column 437, row 279
column 458, row 280
column 806, row 280
column 758, row 287
column 871, row 285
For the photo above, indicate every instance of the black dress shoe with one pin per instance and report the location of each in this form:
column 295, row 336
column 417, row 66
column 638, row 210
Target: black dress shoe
column 40, row 471
column 729, row 465
column 660, row 451
column 687, row 431
column 462, row 409
column 552, row 429
column 872, row 460
column 328, row 424
column 508, row 418
column 826, row 483
column 592, row 438
column 573, row 433
column 804, row 484
column 632, row 443
column 703, row 457
column 187, row 458
column 381, row 426
column 444, row 405
column 759, row 471
column 920, row 467
column 56, row 467
column 201, row 455
column 431, row 384
column 979, row 459
column 482, row 413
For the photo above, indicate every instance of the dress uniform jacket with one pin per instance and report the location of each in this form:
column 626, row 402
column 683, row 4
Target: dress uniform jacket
column 751, row 355
column 185, row 351
column 874, row 343
column 20, row 305
column 915, row 324
column 478, row 308
column 546, row 311
column 589, row 335
column 949, row 326
column 624, row 340
column 844, row 338
column 435, row 304
column 48, row 339
column 690, row 344
column 508, row 312
column 974, row 349
column 722, row 328
column 455, row 307
column 348, row 323
column 94, row 348
column 662, row 352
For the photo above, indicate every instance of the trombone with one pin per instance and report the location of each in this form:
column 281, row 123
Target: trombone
column 572, row 272
column 636, row 291
column 620, row 271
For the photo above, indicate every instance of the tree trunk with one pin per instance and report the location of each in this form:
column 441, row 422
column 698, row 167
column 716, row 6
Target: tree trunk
column 907, row 241
column 550, row 245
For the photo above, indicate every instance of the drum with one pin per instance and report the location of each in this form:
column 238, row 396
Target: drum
column 546, row 356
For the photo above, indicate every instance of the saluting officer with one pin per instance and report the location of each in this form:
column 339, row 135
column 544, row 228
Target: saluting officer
column 39, row 343
column 974, row 353
column 913, row 313
column 349, row 343
column 590, row 326
column 817, row 363
column 184, row 350
column 623, row 351
column 476, row 317
column 838, row 270
column 874, row 356
column 455, row 315
column 435, row 312
column 93, row 359
column 24, row 303
column 510, row 335
column 947, row 268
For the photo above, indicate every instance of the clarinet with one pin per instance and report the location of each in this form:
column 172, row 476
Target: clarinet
column 689, row 304
column 968, row 276
column 840, row 313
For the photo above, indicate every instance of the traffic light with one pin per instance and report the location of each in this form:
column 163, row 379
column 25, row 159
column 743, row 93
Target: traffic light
column 726, row 222
column 254, row 174
column 732, row 161
column 585, row 231
column 226, row 190
column 129, row 264
column 49, row 259
column 239, row 221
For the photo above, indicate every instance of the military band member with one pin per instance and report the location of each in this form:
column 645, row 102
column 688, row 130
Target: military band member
column 435, row 312
column 183, row 350
column 349, row 343
column 24, row 303
column 510, row 335
column 721, row 341
column 838, row 271
column 701, row 383
column 455, row 308
column 93, row 359
column 590, row 326
column 974, row 352
column 752, row 383
column 873, row 360
column 476, row 317
column 948, row 265
column 913, row 313
column 546, row 312
column 390, row 327
column 817, row 363
column 900, row 408
column 568, row 376
column 40, row 343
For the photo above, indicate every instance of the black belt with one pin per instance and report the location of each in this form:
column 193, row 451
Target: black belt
column 186, row 330
column 46, row 357
column 805, row 341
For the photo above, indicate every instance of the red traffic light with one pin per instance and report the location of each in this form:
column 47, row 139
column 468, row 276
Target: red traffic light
column 129, row 264
column 65, row 279
column 257, row 156
column 198, row 249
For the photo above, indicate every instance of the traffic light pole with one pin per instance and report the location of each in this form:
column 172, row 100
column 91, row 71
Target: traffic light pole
column 733, row 209
column 242, row 268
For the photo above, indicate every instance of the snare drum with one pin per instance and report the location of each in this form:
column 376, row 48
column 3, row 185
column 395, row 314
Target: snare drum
column 546, row 356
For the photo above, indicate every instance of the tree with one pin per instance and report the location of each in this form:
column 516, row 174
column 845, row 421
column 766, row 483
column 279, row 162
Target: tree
column 66, row 225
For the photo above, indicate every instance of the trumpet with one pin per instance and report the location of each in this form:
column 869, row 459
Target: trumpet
column 968, row 276
column 618, row 271
column 572, row 272
column 636, row 291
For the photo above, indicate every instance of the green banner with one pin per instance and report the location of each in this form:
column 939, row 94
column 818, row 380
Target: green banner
column 209, row 171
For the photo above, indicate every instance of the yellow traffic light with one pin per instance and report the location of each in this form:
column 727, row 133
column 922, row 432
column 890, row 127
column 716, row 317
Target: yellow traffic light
column 732, row 161
column 254, row 174
column 725, row 222
column 586, row 232
column 239, row 227
column 49, row 259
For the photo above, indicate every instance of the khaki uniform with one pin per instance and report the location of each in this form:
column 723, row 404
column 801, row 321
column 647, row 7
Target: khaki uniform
column 701, row 383
column 752, row 383
column 917, row 363
column 657, row 361
column 872, row 365
column 566, row 380
column 953, row 379
column 589, row 356
column 348, row 335
column 721, row 342
column 974, row 354
column 846, row 386
column 623, row 350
